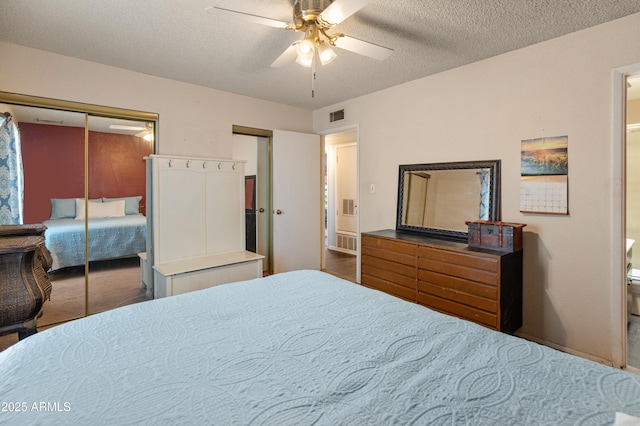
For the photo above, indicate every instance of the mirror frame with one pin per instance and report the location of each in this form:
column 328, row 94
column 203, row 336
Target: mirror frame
column 450, row 234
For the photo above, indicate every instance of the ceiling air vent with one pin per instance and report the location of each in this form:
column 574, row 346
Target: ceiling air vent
column 336, row 115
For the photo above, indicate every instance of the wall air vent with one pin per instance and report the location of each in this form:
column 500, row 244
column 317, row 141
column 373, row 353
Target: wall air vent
column 348, row 207
column 336, row 115
column 347, row 243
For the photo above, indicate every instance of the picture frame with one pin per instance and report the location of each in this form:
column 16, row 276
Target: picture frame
column 544, row 176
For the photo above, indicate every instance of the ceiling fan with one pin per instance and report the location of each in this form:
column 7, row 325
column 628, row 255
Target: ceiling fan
column 314, row 18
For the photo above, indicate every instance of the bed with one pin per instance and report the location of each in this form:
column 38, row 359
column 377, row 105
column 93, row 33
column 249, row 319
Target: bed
column 299, row 348
column 116, row 230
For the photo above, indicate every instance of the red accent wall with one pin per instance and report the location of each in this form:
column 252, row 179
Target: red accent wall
column 53, row 160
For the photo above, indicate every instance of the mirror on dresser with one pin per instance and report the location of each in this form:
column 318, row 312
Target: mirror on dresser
column 437, row 199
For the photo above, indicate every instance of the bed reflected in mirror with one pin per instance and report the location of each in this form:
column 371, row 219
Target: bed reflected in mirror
column 437, row 199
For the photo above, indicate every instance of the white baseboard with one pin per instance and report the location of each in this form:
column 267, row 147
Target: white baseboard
column 565, row 349
column 334, row 248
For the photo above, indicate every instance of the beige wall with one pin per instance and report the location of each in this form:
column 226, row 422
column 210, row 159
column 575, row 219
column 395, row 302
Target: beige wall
column 633, row 111
column 482, row 111
column 194, row 120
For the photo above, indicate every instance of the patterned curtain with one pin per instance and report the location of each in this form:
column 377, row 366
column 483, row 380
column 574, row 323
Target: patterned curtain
column 11, row 175
column 484, row 194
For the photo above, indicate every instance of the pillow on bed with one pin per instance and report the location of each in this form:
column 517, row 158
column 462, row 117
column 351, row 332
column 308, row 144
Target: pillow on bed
column 99, row 210
column 63, row 208
column 131, row 204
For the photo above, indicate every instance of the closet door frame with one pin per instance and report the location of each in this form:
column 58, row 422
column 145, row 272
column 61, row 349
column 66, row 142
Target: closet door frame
column 268, row 134
column 88, row 110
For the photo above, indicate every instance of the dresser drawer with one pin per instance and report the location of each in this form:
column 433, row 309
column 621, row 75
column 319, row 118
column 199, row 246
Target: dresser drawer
column 473, row 260
column 451, row 307
column 426, row 290
column 389, row 266
column 391, row 277
column 392, row 271
column 372, row 278
column 479, row 269
column 395, row 251
column 429, row 279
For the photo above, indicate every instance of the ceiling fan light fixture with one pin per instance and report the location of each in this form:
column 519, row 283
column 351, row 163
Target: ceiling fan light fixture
column 306, row 49
column 314, row 18
column 326, row 53
column 305, row 62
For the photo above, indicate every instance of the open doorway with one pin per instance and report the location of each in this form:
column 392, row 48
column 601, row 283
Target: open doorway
column 341, row 204
column 288, row 196
column 254, row 149
column 632, row 148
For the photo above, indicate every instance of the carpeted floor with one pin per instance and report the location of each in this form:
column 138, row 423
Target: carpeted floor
column 111, row 284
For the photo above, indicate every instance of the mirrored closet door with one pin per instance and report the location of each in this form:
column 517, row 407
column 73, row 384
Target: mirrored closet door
column 116, row 208
column 52, row 144
column 85, row 179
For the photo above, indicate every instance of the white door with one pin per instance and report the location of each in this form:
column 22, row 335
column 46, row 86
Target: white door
column 346, row 189
column 296, row 204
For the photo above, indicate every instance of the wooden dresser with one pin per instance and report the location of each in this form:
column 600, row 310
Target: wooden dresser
column 479, row 285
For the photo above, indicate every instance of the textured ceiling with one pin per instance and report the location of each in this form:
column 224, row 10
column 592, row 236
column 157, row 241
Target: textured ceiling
column 180, row 40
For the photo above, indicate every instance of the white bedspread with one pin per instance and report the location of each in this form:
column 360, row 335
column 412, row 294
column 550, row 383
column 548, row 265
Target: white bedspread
column 294, row 349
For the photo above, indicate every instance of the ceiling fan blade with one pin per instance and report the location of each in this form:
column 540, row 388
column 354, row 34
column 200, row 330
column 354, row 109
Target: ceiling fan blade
column 340, row 10
column 249, row 17
column 286, row 57
column 363, row 47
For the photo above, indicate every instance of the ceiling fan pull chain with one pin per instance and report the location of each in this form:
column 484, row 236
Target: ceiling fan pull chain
column 313, row 76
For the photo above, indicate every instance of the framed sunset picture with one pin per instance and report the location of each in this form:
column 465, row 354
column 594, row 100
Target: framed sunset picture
column 544, row 175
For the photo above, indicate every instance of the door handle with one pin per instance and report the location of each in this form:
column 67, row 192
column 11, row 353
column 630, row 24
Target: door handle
column 278, row 211
column 261, row 210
